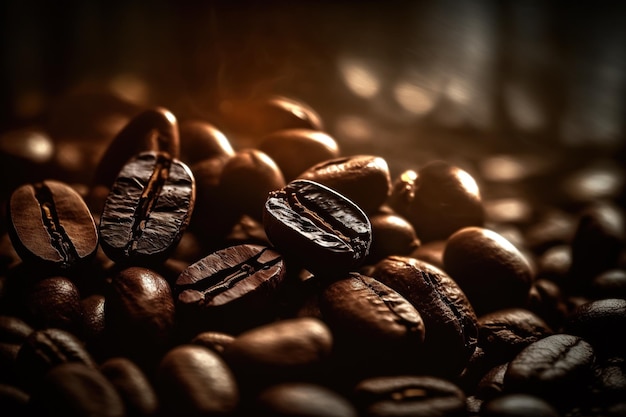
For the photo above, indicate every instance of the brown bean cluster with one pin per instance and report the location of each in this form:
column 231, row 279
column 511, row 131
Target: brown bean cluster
column 257, row 270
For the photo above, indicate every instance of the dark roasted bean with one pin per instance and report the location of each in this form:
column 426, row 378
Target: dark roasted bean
column 148, row 209
column 50, row 225
column 300, row 399
column 317, row 227
column 132, row 385
column 200, row 140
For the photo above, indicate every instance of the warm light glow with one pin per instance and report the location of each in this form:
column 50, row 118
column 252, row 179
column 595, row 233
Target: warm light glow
column 525, row 112
column 503, row 168
column 413, row 98
column 457, row 90
column 353, row 129
column 40, row 147
column 468, row 182
column 29, row 144
column 70, row 156
column 130, row 88
column 507, row 210
column 359, row 78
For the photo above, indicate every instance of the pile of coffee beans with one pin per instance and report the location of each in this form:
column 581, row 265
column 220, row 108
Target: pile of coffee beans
column 248, row 266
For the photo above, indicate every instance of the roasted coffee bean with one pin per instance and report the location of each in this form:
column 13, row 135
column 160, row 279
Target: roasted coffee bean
column 409, row 396
column 55, row 302
column 232, row 289
column 368, row 320
column 153, row 129
column 296, row 150
column 139, row 315
column 504, row 333
column 245, row 181
column 518, row 405
column 300, row 399
column 547, row 301
column 13, row 333
column 609, row 284
column 491, row 384
column 438, row 200
column 14, row 402
column 484, row 263
column 94, row 325
column 200, row 140
column 598, row 240
column 557, row 368
column 76, row 390
column 132, row 385
column 317, row 227
column 450, row 321
column 555, row 264
column 44, row 349
column 391, row 235
column 364, row 179
column 431, row 253
column 50, row 225
column 286, row 350
column 148, row 209
column 215, row 341
column 252, row 119
column 596, row 322
column 554, row 228
column 194, row 381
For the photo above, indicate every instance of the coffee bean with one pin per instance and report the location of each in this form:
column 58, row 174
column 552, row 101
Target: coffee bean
column 192, row 381
column 200, row 140
column 14, row 402
column 139, row 315
column 608, row 284
column 148, row 209
column 94, row 325
column 504, row 333
column 431, row 253
column 364, row 179
column 484, row 263
column 450, row 321
column 596, row 323
column 76, row 390
column 245, row 181
column 491, row 384
column 286, row 350
column 132, row 385
column 369, row 320
column 153, row 129
column 317, row 227
column 50, row 225
column 391, row 235
column 44, row 349
column 296, row 150
column 438, row 199
column 300, row 399
column 557, row 368
column 13, row 333
column 518, row 405
column 409, row 396
column 231, row 289
column 215, row 341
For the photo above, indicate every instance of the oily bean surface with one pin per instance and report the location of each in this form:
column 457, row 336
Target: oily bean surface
column 231, row 289
column 319, row 228
column 200, row 140
column 364, row 179
column 132, row 385
column 449, row 318
column 50, row 224
column 148, row 209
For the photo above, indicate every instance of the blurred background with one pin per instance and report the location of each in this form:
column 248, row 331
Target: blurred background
column 508, row 89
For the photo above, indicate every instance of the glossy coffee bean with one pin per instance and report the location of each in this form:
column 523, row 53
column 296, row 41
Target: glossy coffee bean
column 194, row 381
column 94, row 324
column 139, row 314
column 546, row 300
column 596, row 322
column 148, row 209
column 300, row 399
column 409, row 396
column 431, row 253
column 13, row 333
column 557, row 368
column 132, row 385
column 215, row 341
column 55, row 302
column 44, row 349
column 368, row 320
column 231, row 289
column 50, row 225
column 246, row 179
column 491, row 384
column 450, row 321
column 518, row 405
column 153, row 130
column 296, row 150
column 317, row 227
column 391, row 235
column 200, row 140
column 290, row 349
column 484, row 263
column 76, row 390
column 504, row 333
column 438, row 200
column 609, row 284
column 364, row 179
